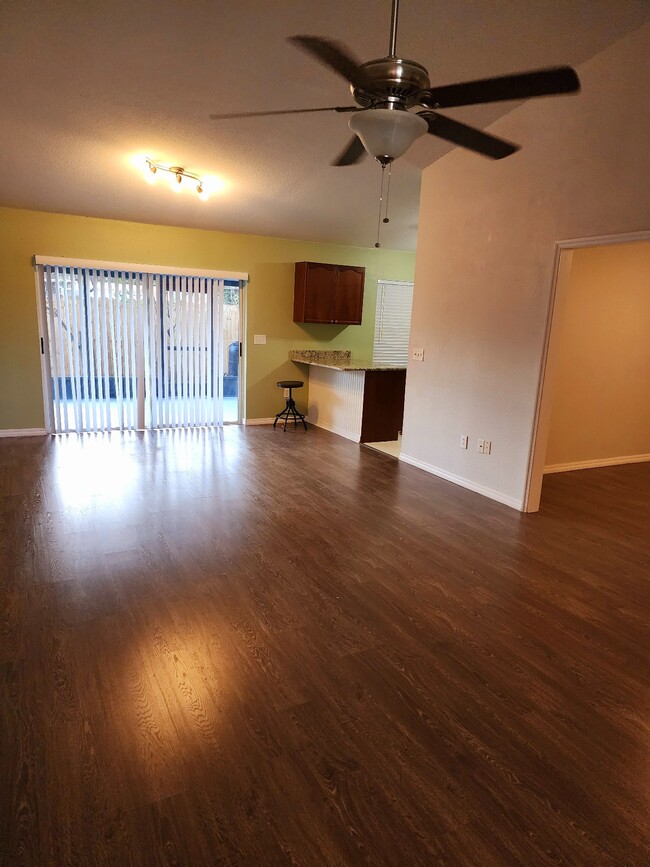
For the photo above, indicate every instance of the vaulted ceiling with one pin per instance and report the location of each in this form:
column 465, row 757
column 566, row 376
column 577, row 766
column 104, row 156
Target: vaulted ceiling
column 86, row 86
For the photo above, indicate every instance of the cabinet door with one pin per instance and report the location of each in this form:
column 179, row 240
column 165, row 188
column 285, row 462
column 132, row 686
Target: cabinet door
column 348, row 296
column 319, row 292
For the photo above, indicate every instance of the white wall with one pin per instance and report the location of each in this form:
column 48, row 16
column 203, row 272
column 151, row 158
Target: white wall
column 601, row 395
column 485, row 259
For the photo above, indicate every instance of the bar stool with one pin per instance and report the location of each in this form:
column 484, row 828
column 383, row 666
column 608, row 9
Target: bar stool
column 290, row 411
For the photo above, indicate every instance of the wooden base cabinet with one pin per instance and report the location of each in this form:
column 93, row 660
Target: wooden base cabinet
column 331, row 294
column 383, row 405
column 363, row 405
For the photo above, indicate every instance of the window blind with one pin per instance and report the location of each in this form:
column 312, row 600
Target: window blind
column 392, row 322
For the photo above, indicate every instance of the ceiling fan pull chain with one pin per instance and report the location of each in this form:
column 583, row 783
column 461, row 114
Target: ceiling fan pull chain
column 381, row 199
column 390, row 168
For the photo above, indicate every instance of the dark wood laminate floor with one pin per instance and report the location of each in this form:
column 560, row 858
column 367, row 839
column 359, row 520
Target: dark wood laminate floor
column 257, row 648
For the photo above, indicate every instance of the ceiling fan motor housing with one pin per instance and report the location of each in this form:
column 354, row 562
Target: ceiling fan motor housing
column 390, row 82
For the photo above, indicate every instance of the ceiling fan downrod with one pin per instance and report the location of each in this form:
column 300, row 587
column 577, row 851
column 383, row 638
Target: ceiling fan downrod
column 392, row 48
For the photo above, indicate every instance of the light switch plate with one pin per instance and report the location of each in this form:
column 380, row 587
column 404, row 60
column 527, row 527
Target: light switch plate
column 259, row 338
column 417, row 355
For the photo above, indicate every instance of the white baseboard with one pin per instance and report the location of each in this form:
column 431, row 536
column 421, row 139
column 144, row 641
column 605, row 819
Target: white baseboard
column 259, row 420
column 597, row 462
column 24, row 432
column 349, row 435
column 464, row 483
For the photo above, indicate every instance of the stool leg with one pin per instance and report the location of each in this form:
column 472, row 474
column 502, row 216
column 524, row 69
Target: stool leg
column 290, row 412
column 288, row 409
column 296, row 415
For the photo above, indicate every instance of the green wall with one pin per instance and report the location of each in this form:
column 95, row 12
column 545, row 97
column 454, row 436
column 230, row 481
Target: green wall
column 268, row 261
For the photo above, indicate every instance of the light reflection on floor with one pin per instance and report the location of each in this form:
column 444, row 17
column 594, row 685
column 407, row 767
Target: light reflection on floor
column 91, row 471
column 98, row 513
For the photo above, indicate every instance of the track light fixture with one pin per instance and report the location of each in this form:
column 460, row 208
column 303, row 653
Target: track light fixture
column 179, row 172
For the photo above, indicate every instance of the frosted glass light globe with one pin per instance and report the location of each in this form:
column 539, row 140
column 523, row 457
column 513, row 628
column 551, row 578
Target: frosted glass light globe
column 387, row 132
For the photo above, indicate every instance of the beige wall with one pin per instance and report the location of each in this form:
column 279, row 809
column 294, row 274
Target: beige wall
column 485, row 258
column 269, row 261
column 601, row 399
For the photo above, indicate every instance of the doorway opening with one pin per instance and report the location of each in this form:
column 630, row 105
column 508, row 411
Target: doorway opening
column 593, row 409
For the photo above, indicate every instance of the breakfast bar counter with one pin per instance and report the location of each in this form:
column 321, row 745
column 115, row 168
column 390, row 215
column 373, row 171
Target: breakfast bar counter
column 358, row 399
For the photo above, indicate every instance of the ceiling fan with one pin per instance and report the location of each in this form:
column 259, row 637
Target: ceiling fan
column 385, row 90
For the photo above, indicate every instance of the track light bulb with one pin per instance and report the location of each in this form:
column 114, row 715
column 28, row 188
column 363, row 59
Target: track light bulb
column 150, row 176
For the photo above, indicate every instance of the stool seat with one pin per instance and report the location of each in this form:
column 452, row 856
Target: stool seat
column 290, row 412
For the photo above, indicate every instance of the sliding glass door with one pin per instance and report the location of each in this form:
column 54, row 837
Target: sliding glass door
column 128, row 350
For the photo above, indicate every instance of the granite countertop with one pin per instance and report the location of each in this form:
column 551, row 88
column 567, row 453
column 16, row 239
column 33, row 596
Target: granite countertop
column 338, row 359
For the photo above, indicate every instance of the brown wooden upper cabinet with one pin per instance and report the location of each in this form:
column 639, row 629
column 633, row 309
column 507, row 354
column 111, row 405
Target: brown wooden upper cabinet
column 328, row 293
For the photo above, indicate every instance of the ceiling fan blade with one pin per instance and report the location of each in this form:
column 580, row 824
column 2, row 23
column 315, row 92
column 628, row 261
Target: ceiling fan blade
column 334, row 55
column 352, row 153
column 339, row 108
column 467, row 136
column 541, row 82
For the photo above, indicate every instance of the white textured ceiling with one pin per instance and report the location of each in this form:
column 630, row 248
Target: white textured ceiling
column 85, row 85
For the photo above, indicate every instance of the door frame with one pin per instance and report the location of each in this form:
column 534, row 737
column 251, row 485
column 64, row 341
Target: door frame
column 550, row 355
column 241, row 384
column 46, row 370
column 241, row 338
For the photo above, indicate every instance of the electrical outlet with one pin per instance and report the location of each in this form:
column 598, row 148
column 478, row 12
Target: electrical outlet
column 417, row 355
column 484, row 447
column 464, row 440
column 259, row 338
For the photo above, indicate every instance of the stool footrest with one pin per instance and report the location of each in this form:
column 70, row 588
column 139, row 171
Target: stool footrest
column 288, row 413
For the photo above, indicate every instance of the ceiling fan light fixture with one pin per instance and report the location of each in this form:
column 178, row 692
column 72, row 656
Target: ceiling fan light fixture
column 387, row 133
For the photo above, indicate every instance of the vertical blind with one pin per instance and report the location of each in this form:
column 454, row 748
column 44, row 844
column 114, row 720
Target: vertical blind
column 127, row 349
column 184, row 360
column 93, row 336
column 392, row 322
